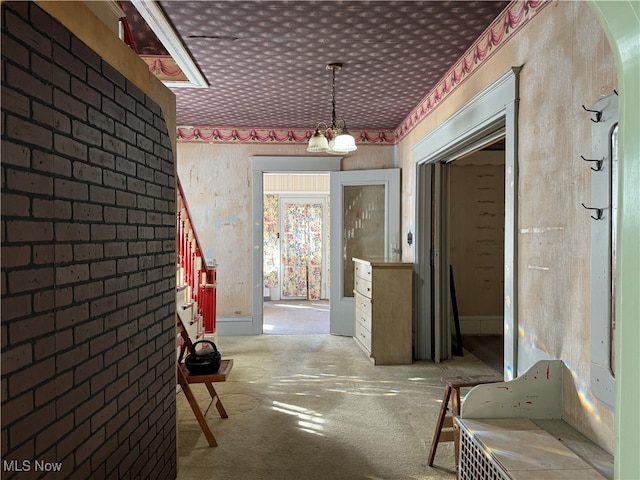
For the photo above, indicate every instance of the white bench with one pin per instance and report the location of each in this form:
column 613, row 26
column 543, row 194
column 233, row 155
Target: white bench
column 516, row 430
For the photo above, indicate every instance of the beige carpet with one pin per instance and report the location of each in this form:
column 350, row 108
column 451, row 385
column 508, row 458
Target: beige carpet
column 314, row 407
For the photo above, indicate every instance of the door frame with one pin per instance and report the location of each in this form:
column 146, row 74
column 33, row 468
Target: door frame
column 261, row 164
column 491, row 114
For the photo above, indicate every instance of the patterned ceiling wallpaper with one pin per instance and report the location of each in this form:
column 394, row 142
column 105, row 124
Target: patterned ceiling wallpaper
column 265, row 62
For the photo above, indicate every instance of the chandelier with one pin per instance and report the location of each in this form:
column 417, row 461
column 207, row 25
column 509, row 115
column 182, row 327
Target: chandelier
column 334, row 139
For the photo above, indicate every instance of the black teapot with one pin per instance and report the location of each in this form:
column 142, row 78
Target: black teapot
column 203, row 361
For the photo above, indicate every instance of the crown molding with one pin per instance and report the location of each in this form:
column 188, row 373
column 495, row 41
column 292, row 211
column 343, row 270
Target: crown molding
column 156, row 20
column 273, row 135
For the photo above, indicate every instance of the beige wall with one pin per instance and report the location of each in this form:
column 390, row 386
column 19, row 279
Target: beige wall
column 216, row 179
column 476, row 238
column 567, row 63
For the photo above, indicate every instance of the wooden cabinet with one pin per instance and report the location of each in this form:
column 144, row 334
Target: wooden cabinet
column 383, row 310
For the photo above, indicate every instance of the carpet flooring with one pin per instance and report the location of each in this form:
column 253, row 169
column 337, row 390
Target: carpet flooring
column 313, row 407
column 296, row 317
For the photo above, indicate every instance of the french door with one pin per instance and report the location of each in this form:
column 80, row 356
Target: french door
column 365, row 214
column 302, row 248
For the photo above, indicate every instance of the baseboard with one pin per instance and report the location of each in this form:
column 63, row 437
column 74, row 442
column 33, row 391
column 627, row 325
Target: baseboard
column 234, row 326
column 482, row 325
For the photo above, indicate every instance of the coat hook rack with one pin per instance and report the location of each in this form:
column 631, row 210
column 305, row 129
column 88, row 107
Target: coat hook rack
column 598, row 163
column 597, row 112
column 599, row 212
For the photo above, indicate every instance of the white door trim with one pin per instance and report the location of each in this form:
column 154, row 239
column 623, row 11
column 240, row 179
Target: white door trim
column 494, row 111
column 259, row 166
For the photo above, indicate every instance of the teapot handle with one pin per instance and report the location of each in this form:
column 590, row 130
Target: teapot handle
column 193, row 347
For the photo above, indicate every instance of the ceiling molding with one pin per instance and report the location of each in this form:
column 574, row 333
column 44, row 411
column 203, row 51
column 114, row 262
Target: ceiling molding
column 273, row 135
column 165, row 68
column 156, row 20
column 508, row 23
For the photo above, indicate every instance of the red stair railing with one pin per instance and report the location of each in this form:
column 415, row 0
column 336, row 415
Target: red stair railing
column 200, row 277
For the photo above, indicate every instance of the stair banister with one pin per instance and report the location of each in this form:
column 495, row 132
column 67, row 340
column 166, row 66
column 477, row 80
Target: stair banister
column 199, row 276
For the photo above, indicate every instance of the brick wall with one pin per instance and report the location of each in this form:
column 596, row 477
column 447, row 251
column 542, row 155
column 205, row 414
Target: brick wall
column 88, row 263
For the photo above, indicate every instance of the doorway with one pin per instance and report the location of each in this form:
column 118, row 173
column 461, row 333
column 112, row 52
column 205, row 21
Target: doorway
column 488, row 117
column 296, row 253
column 476, row 252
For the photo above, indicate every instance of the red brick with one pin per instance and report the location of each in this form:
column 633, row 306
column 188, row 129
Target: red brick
column 72, row 232
column 71, row 399
column 16, row 358
column 63, row 253
column 102, row 343
column 29, row 182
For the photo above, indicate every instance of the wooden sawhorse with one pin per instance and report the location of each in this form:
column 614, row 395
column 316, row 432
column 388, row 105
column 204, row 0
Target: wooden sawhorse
column 445, row 430
column 185, row 379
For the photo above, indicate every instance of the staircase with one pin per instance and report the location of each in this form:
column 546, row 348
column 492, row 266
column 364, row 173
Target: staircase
column 195, row 280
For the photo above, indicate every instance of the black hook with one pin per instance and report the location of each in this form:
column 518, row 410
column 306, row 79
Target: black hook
column 599, row 212
column 597, row 112
column 615, row 91
column 598, row 163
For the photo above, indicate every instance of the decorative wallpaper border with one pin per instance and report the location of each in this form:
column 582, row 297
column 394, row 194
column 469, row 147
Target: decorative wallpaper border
column 165, row 68
column 272, row 135
column 495, row 36
column 503, row 28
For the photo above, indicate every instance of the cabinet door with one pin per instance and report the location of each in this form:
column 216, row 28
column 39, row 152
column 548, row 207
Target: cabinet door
column 365, row 222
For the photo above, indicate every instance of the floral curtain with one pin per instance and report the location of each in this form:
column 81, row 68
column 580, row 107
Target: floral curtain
column 302, row 250
column 270, row 241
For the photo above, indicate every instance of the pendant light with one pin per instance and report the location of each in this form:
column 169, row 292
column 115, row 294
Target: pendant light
column 334, row 139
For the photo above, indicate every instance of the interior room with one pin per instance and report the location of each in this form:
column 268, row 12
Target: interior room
column 445, row 175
